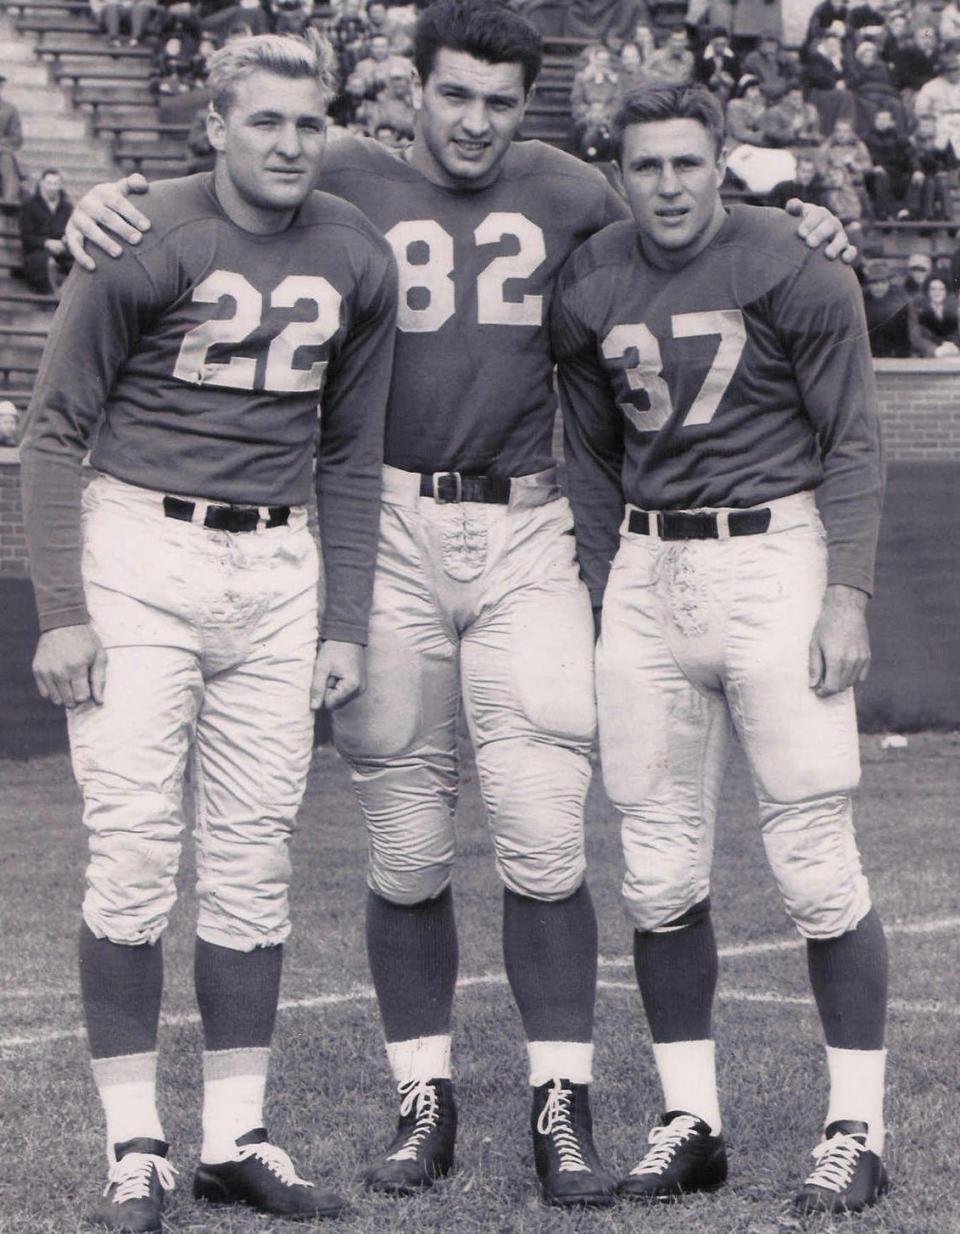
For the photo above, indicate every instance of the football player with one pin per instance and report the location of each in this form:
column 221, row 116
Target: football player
column 186, row 622
column 714, row 377
column 478, row 597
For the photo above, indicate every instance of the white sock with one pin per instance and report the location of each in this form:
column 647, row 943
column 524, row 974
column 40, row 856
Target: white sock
column 856, row 1090
column 420, row 1058
column 234, row 1082
column 555, row 1060
column 127, row 1084
column 688, row 1076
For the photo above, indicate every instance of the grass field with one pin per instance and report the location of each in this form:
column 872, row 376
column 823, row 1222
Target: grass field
column 330, row 1099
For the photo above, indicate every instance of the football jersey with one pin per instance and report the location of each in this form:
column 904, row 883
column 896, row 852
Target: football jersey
column 472, row 386
column 738, row 378
column 198, row 360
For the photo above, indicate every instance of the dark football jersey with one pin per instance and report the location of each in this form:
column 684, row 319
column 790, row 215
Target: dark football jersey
column 472, row 385
column 743, row 376
column 199, row 359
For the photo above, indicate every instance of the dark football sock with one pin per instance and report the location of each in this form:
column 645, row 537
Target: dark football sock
column 413, row 956
column 677, row 975
column 550, row 954
column 121, row 988
column 849, row 979
column 237, row 993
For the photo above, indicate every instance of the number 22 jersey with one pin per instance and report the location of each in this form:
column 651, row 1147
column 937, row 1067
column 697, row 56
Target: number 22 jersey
column 743, row 376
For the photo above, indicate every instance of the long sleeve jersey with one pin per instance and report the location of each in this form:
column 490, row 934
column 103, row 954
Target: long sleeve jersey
column 741, row 377
column 194, row 365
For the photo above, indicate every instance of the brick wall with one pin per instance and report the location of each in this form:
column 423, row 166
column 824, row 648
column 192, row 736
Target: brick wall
column 919, row 401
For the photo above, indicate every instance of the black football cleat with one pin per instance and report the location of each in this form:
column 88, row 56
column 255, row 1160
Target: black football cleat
column 568, row 1166
column 264, row 1178
column 133, row 1198
column 847, row 1177
column 683, row 1157
column 422, row 1150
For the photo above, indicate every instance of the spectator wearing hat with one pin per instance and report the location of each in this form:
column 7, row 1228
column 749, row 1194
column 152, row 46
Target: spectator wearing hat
column 393, row 106
column 746, row 113
column 919, row 269
column 937, row 317
column 717, row 66
column 792, row 120
column 9, row 424
column 43, row 220
column 872, row 84
column 11, row 139
column 913, row 61
column 768, row 63
column 891, row 151
column 672, row 64
column 941, row 98
column 891, row 317
column 825, row 78
column 928, row 196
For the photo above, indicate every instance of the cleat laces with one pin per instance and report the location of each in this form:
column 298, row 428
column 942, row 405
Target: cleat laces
column 665, row 1140
column 554, row 1121
column 422, row 1095
column 132, row 1176
column 836, row 1160
column 276, row 1160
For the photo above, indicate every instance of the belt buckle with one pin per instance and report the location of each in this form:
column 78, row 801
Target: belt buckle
column 446, row 498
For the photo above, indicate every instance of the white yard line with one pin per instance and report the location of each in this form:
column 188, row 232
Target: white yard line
column 937, row 925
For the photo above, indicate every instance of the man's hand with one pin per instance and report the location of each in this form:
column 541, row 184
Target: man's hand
column 70, row 666
column 840, row 646
column 106, row 205
column 819, row 227
column 54, row 247
column 340, row 674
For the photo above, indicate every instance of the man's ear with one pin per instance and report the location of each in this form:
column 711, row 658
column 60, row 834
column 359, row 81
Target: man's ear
column 416, row 91
column 216, row 129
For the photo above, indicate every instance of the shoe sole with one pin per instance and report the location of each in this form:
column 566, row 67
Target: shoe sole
column 319, row 1214
column 586, row 1201
column 669, row 1197
column 400, row 1191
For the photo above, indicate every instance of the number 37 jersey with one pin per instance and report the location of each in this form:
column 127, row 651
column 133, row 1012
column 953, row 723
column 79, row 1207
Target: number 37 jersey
column 743, row 376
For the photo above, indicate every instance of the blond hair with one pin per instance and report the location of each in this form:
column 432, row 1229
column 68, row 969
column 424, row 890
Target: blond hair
column 308, row 56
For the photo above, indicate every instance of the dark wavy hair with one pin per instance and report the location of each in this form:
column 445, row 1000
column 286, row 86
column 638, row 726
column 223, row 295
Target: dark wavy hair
column 651, row 103
column 484, row 29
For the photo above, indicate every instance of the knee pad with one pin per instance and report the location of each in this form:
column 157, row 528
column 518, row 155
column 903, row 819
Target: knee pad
column 405, row 888
column 813, row 854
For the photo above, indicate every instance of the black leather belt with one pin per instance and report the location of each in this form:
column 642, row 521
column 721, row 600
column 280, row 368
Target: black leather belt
column 227, row 518
column 700, row 525
column 447, row 486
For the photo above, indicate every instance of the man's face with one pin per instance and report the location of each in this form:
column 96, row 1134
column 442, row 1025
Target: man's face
column 677, row 42
column 9, row 423
column 399, row 84
column 672, row 177
column 601, row 57
column 271, row 140
column 805, row 171
column 769, row 47
column 794, row 98
column 878, row 287
column 630, row 56
column 926, row 126
column 379, row 47
column 867, row 54
column 470, row 112
column 843, row 132
column 376, row 14
column 898, row 25
column 883, row 121
column 719, row 44
column 51, row 184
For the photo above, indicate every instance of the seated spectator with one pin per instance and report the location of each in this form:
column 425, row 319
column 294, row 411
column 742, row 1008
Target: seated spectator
column 289, row 16
column 590, row 19
column 746, row 113
column 349, row 36
column 250, row 12
column 937, row 318
column 9, row 424
column 596, row 82
column 134, row 14
column 792, row 121
column 201, row 154
column 825, row 75
column 11, row 139
column 941, row 98
column 872, row 83
column 43, row 220
column 891, row 318
column 847, row 201
column 843, row 148
column 807, row 184
column 371, row 74
column 173, row 68
column 913, row 61
column 672, row 64
column 630, row 71
column 919, row 269
column 590, row 136
column 380, row 21
column 768, row 63
column 829, row 12
column 889, row 150
column 393, row 106
column 928, row 196
column 717, row 66
column 643, row 37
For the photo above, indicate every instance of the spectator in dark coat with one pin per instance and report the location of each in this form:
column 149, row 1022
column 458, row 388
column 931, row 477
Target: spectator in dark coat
column 43, row 220
column 913, row 63
column 891, row 318
column 768, row 63
column 937, row 317
column 807, row 184
column 717, row 66
column 889, row 150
